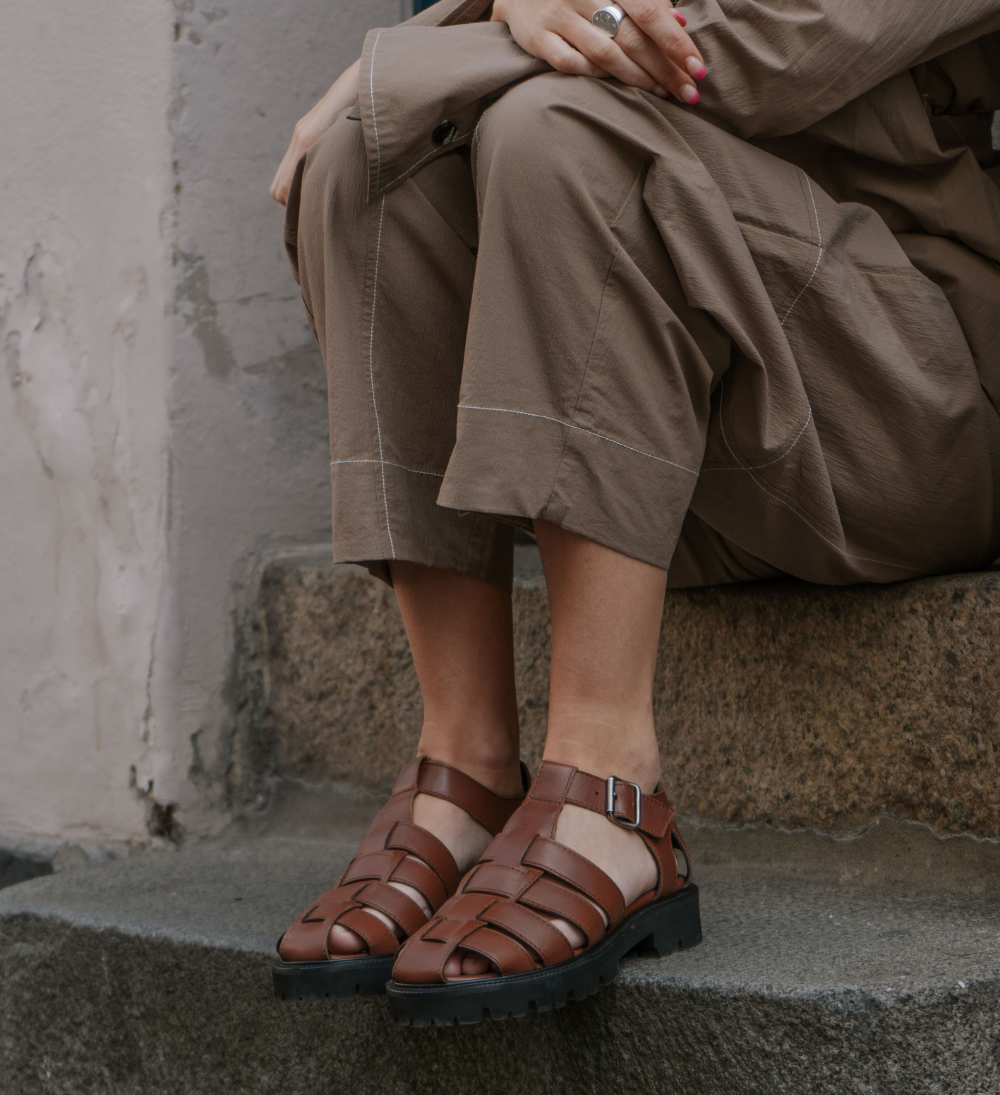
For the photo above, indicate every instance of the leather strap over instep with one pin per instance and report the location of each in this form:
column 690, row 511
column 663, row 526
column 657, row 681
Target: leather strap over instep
column 525, row 873
column 396, row 850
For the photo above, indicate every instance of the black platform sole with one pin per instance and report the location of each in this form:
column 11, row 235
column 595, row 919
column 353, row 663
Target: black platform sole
column 336, row 978
column 661, row 928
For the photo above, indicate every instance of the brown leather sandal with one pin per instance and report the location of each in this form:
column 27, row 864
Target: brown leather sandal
column 524, row 869
column 395, row 849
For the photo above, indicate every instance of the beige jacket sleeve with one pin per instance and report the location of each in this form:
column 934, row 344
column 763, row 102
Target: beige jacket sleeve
column 447, row 13
column 778, row 66
column 775, row 66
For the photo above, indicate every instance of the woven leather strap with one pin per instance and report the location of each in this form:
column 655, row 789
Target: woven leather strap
column 501, row 907
column 395, row 850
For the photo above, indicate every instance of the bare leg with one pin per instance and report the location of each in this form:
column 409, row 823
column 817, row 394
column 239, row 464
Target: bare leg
column 606, row 615
column 461, row 636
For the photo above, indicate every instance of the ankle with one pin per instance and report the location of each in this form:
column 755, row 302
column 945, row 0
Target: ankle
column 635, row 761
column 604, row 739
column 647, row 776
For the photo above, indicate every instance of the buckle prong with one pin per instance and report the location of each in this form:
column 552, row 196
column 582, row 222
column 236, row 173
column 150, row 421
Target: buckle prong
column 609, row 804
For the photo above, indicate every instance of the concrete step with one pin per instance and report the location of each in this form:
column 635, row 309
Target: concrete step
column 17, row 865
column 152, row 974
column 777, row 703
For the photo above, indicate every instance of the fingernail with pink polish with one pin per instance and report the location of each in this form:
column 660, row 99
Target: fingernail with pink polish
column 679, row 16
column 662, row 92
column 690, row 94
column 696, row 68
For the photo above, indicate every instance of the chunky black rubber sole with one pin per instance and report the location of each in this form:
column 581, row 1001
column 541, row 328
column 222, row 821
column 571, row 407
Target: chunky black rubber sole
column 671, row 924
column 336, row 978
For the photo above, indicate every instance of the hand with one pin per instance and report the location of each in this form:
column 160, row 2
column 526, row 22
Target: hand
column 651, row 51
column 313, row 125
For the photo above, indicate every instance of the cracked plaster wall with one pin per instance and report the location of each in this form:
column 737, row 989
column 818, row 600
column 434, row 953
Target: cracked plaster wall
column 83, row 426
column 162, row 420
column 249, row 442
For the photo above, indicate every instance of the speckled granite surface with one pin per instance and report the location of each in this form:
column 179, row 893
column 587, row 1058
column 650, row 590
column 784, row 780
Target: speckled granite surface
column 814, row 707
column 794, row 705
column 152, row 975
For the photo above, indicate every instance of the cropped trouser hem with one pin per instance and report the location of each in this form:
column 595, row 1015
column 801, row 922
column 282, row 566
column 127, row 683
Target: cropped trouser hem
column 512, row 462
column 418, row 529
column 608, row 314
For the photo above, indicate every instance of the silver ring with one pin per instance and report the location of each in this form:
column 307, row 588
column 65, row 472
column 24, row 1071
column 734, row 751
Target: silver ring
column 608, row 19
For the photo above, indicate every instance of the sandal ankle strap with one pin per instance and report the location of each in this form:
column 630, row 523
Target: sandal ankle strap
column 424, row 776
column 623, row 802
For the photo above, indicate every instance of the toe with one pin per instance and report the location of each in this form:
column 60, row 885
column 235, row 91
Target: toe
column 474, row 965
column 574, row 936
column 466, row 964
column 344, row 941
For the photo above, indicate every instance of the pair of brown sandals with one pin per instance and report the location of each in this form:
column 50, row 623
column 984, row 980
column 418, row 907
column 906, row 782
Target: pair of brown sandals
column 496, row 909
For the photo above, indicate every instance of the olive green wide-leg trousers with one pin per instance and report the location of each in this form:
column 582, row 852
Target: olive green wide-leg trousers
column 607, row 313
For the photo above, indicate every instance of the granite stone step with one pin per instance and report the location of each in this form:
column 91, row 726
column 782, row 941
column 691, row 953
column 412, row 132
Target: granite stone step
column 777, row 703
column 152, row 974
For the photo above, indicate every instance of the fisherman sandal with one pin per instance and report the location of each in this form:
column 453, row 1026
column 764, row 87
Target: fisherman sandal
column 394, row 850
column 525, row 872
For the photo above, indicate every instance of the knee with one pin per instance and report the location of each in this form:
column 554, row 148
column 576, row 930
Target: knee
column 525, row 131
column 557, row 135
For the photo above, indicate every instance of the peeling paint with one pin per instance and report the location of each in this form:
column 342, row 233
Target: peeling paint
column 161, row 817
column 83, row 423
column 162, row 420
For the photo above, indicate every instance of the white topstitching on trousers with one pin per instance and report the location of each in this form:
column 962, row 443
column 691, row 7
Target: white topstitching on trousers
column 756, row 467
column 378, row 147
column 572, row 426
column 806, row 522
column 819, row 257
column 389, row 463
column 371, row 377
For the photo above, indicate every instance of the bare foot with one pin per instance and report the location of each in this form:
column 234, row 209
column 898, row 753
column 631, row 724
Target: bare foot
column 465, row 838
column 619, row 852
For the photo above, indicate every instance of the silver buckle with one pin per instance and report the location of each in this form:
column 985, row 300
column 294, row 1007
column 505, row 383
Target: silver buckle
column 609, row 804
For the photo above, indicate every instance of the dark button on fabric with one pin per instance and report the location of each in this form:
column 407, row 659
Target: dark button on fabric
column 444, row 133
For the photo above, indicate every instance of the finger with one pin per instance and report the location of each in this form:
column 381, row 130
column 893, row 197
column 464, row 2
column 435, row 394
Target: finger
column 641, row 49
column 608, row 55
column 286, row 171
column 645, row 53
column 279, row 189
column 563, row 57
column 282, row 182
column 655, row 18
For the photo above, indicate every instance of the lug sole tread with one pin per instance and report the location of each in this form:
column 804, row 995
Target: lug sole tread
column 662, row 929
column 334, row 979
